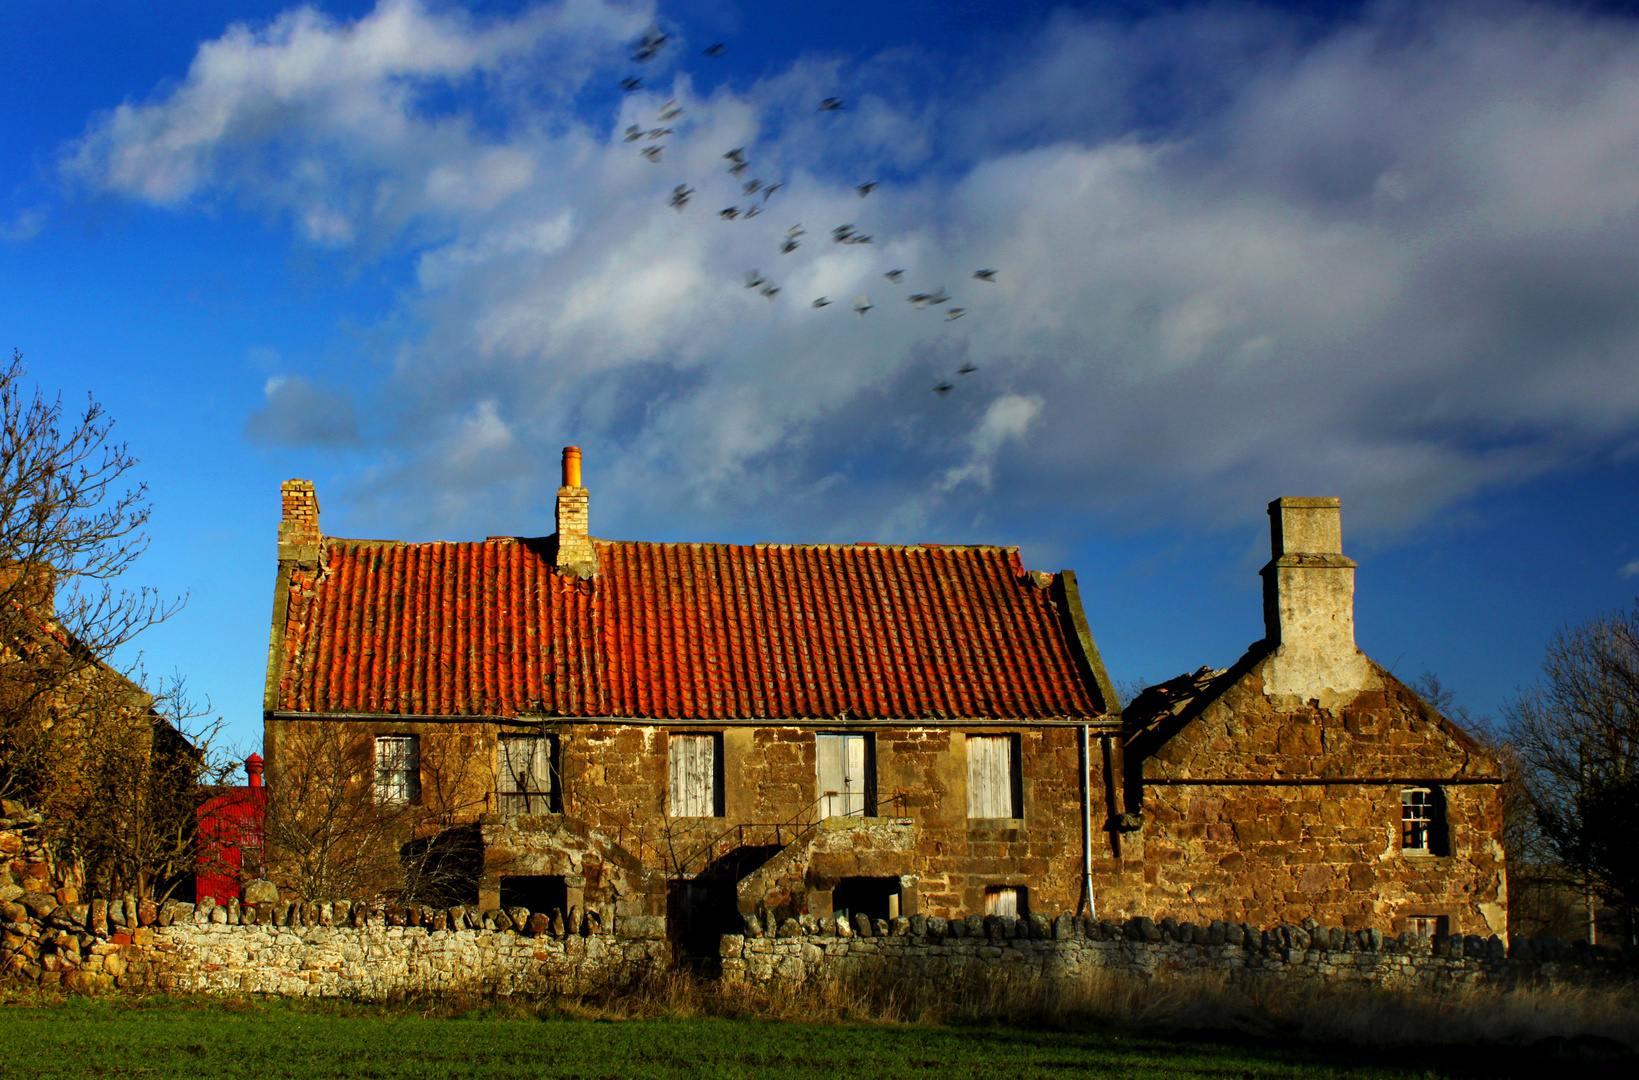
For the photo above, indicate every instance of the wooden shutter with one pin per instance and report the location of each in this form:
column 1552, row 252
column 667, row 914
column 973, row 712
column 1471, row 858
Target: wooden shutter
column 990, row 776
column 525, row 780
column 693, row 775
column 844, row 771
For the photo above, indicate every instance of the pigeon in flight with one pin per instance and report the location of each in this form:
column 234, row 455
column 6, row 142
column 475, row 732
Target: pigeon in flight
column 769, row 189
column 680, row 196
column 862, row 305
column 789, row 244
column 985, row 275
column 841, row 233
column 796, row 230
column 631, row 84
column 831, row 104
column 737, row 168
column 894, row 275
column 918, row 300
column 737, row 154
column 659, row 133
column 750, row 186
column 857, row 238
column 943, row 388
column 752, row 211
column 649, row 45
column 771, row 290
column 653, row 152
column 952, row 315
column 672, row 111
column 634, row 133
column 966, row 369
column 729, row 213
column 939, row 297
column 755, row 278
column 866, row 188
column 820, row 302
column 713, row 50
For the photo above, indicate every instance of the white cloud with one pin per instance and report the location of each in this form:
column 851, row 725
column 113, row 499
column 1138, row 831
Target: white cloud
column 1630, row 569
column 1394, row 262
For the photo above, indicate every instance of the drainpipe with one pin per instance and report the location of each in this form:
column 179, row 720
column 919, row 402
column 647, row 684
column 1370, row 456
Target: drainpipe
column 1087, row 821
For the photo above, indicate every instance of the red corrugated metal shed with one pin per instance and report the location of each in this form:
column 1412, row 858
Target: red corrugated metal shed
column 678, row 632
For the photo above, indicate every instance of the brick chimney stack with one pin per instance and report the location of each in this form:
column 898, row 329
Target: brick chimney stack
column 1308, row 604
column 299, row 535
column 575, row 552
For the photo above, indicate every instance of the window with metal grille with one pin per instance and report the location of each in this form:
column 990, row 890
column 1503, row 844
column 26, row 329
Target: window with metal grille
column 398, row 769
column 844, row 765
column 526, row 774
column 695, row 788
column 993, row 784
column 1422, row 822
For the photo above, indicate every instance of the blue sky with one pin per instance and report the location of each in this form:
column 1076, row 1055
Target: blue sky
column 1386, row 252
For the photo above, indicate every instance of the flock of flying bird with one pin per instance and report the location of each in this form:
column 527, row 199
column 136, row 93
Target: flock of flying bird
column 757, row 193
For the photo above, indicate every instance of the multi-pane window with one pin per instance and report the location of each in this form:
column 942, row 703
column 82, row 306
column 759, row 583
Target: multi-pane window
column 1422, row 822
column 694, row 786
column 526, row 781
column 845, row 781
column 398, row 769
column 992, row 776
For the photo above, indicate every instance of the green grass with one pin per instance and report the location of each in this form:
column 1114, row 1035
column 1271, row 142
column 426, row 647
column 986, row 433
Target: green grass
column 194, row 1039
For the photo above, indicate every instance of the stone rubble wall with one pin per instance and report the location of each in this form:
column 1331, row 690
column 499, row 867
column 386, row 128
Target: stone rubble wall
column 1069, row 948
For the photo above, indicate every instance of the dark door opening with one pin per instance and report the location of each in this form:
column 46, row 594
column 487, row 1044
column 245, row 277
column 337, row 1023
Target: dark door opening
column 699, row 911
column 540, row 892
column 873, row 897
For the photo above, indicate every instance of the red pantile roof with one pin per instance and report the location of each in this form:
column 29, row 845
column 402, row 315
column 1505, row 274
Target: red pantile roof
column 678, row 631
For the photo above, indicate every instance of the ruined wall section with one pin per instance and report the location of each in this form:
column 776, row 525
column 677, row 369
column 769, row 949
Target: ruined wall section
column 1294, row 847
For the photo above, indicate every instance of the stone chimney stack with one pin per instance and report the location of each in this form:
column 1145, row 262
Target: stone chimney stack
column 575, row 552
column 299, row 535
column 1308, row 604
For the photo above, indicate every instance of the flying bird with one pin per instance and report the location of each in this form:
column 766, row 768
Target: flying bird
column 943, row 388
column 750, row 186
column 737, row 168
column 820, row 302
column 713, row 50
column 736, row 154
column 653, row 152
column 752, row 211
column 919, row 300
column 796, row 230
column 894, row 275
column 841, row 233
column 862, row 305
column 634, row 133
column 985, row 275
column 770, row 189
column 789, row 244
column 857, row 238
column 866, row 188
column 649, row 45
column 966, row 369
column 755, row 278
column 831, row 104
column 939, row 297
column 771, row 290
column 631, row 84
column 659, row 133
column 680, row 196
column 672, row 110
column 952, row 315
column 729, row 213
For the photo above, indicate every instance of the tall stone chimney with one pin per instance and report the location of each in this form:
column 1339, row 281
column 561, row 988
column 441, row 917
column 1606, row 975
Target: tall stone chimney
column 299, row 535
column 575, row 552
column 1308, row 604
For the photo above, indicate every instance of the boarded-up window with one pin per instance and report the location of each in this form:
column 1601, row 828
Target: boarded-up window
column 845, row 781
column 1006, row 900
column 693, row 775
column 992, row 776
column 525, row 778
column 398, row 769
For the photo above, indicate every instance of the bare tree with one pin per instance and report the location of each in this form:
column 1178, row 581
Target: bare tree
column 1576, row 734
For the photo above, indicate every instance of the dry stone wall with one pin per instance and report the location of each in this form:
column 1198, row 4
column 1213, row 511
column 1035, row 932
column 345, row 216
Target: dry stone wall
column 1067, row 949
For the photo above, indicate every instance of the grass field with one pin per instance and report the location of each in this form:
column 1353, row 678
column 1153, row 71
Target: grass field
column 161, row 1038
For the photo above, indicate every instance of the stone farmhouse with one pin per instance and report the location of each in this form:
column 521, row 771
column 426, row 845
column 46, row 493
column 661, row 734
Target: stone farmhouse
column 704, row 730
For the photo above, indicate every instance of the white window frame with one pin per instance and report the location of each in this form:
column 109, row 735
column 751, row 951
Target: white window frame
column 1420, row 820
column 692, row 759
column 398, row 769
column 842, row 773
column 526, row 780
column 993, row 780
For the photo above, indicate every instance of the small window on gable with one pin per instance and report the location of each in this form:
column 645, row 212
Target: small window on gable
column 1428, row 926
column 1422, row 822
column 527, row 775
column 696, row 787
column 1007, row 900
column 398, row 769
column 993, row 784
